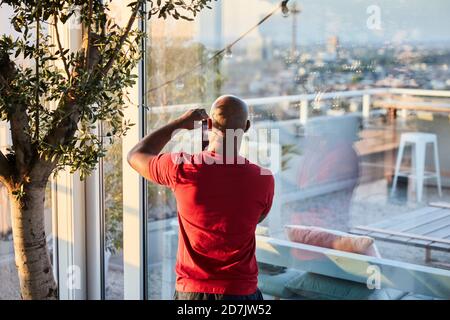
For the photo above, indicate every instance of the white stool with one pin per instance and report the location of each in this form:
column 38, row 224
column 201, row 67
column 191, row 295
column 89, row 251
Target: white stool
column 419, row 141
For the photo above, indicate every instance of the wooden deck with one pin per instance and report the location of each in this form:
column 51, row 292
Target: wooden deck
column 427, row 228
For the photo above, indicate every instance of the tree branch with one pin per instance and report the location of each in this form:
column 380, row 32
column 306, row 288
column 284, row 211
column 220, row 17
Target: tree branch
column 60, row 48
column 19, row 119
column 41, row 170
column 124, row 36
column 67, row 115
column 21, row 139
column 64, row 123
column 37, row 59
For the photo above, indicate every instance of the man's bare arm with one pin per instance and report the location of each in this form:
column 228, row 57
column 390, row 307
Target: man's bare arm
column 269, row 201
column 149, row 147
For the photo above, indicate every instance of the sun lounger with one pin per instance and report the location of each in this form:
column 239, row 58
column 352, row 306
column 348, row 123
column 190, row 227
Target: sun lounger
column 427, row 228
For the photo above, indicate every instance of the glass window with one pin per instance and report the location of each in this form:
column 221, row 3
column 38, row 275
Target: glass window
column 8, row 272
column 310, row 78
column 113, row 220
column 112, row 195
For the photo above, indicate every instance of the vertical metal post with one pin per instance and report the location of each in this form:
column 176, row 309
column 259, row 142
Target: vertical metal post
column 303, row 112
column 366, row 107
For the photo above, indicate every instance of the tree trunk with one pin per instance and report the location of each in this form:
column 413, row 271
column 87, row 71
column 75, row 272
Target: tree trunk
column 30, row 246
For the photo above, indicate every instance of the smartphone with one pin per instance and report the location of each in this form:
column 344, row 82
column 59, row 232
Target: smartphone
column 205, row 138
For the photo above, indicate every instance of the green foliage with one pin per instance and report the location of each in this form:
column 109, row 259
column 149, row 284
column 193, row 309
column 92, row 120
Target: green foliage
column 182, row 55
column 177, row 9
column 340, row 104
column 287, row 152
column 113, row 186
column 18, row 193
column 357, row 78
column 59, row 95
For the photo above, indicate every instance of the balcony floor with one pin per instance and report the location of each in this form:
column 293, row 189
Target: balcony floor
column 368, row 203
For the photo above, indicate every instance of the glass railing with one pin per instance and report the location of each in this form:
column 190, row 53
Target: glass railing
column 337, row 162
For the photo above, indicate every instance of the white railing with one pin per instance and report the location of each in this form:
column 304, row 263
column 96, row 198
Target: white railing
column 304, row 101
column 258, row 102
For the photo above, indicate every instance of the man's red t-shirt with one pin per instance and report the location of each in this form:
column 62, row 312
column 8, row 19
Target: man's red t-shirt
column 219, row 206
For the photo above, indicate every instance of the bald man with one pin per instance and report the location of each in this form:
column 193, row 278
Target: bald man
column 221, row 197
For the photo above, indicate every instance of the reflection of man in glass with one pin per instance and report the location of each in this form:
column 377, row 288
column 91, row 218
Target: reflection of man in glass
column 221, row 197
column 329, row 159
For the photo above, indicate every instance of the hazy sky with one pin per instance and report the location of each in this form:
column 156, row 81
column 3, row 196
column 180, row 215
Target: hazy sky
column 400, row 20
column 5, row 11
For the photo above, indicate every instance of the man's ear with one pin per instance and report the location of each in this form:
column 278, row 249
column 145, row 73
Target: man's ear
column 247, row 126
column 209, row 123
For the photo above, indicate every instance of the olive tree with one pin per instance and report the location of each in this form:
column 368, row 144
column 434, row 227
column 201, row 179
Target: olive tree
column 53, row 99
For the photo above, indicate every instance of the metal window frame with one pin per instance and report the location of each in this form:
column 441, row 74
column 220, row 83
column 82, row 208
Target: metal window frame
column 77, row 208
column 134, row 193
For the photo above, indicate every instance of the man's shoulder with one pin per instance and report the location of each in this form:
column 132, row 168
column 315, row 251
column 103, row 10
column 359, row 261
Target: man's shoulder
column 199, row 160
column 263, row 178
column 262, row 172
column 179, row 158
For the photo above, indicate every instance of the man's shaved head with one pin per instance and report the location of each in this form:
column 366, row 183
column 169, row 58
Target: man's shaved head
column 229, row 112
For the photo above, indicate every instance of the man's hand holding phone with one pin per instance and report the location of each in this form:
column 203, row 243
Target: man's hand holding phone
column 189, row 118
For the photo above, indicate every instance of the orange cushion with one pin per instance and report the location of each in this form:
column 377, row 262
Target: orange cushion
column 331, row 239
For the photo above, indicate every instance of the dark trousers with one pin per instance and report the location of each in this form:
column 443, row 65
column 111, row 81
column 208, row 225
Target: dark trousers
column 211, row 296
